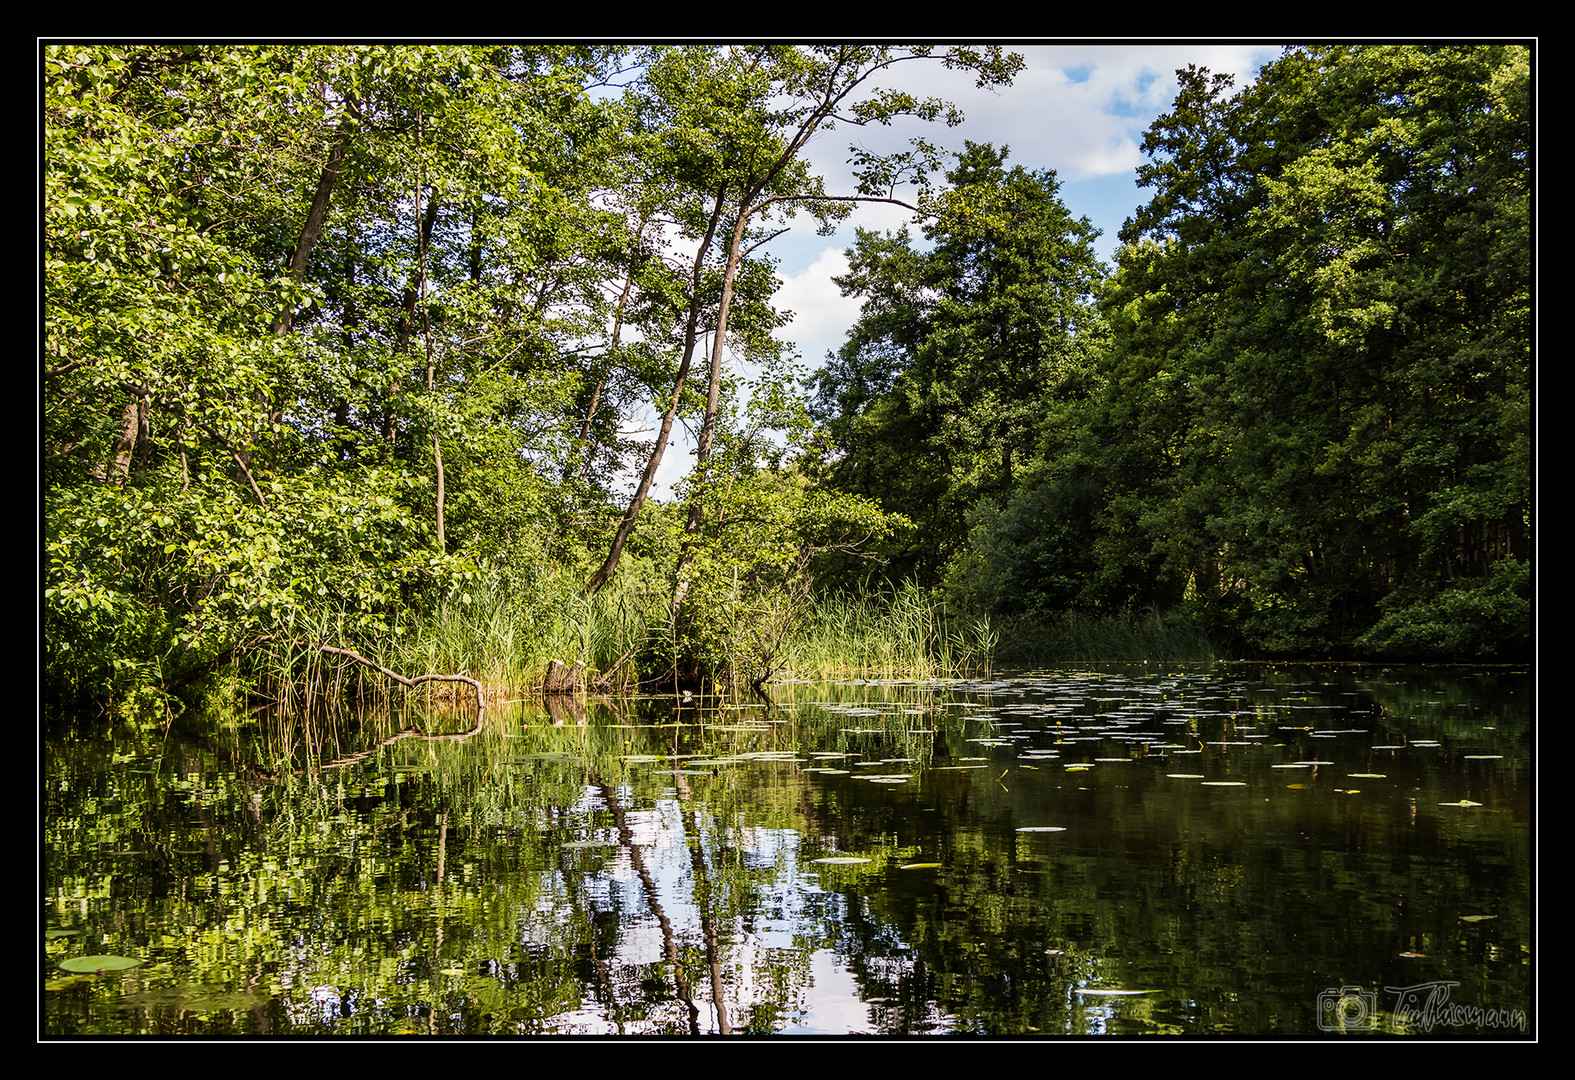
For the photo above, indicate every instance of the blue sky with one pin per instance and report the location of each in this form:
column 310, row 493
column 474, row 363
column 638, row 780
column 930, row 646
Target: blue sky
column 1078, row 109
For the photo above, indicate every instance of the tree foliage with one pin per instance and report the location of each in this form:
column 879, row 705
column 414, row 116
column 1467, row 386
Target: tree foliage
column 330, row 330
column 934, row 402
column 1302, row 413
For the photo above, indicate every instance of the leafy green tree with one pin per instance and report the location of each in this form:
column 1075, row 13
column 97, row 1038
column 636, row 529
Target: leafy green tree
column 959, row 351
column 298, row 302
column 1318, row 382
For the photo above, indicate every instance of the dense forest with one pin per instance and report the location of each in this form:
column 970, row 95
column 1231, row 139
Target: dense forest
column 347, row 346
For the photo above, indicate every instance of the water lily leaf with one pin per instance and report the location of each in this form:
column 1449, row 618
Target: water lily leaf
column 1462, row 802
column 1476, row 918
column 1224, row 783
column 1116, row 993
column 1043, row 828
column 98, row 963
column 921, row 866
column 841, row 860
column 1366, row 775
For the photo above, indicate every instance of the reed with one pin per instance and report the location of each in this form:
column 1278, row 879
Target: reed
column 895, row 631
column 502, row 637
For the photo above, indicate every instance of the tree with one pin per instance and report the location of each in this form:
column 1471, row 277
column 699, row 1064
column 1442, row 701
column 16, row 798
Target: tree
column 302, row 305
column 1323, row 316
column 959, row 350
column 751, row 112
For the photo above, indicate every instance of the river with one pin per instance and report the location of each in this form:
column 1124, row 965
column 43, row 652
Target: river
column 1229, row 849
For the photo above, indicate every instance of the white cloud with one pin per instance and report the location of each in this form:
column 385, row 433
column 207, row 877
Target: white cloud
column 821, row 314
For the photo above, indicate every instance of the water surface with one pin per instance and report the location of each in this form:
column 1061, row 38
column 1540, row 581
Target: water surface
column 1222, row 849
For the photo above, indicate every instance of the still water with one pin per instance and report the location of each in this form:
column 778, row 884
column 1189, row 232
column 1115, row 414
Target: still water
column 1329, row 852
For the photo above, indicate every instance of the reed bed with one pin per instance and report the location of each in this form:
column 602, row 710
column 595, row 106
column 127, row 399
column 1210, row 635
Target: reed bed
column 508, row 641
column 899, row 631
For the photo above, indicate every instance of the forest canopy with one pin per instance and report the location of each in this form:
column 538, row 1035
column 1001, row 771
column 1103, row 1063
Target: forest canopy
column 338, row 339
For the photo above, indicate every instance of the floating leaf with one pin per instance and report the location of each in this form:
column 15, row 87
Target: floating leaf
column 1185, row 775
column 1484, row 757
column 1116, row 993
column 99, row 963
column 841, row 860
column 1476, row 918
column 1043, row 828
column 1366, row 775
column 1462, row 802
column 921, row 866
column 1224, row 783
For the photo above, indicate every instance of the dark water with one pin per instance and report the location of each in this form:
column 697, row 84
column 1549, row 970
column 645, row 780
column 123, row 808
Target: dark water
column 1240, row 851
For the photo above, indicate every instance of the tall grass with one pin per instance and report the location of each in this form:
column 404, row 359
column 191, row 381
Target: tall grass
column 507, row 638
column 896, row 631
column 503, row 637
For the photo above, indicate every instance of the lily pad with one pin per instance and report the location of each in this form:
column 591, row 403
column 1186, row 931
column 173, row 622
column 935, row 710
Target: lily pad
column 1115, row 993
column 1043, row 828
column 921, row 866
column 98, row 963
column 841, row 860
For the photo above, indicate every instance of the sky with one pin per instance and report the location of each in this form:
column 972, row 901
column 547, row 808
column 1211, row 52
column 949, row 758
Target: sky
column 1078, row 109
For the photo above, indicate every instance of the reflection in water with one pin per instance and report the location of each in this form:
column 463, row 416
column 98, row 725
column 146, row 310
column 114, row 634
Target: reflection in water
column 1208, row 850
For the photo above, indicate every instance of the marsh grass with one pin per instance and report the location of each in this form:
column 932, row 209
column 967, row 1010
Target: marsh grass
column 503, row 638
column 898, row 631
column 506, row 639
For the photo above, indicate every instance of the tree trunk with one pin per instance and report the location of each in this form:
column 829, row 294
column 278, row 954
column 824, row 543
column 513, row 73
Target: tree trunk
column 691, row 333
column 133, row 423
column 708, row 426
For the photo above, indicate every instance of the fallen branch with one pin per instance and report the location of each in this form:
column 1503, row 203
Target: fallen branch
column 481, row 700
